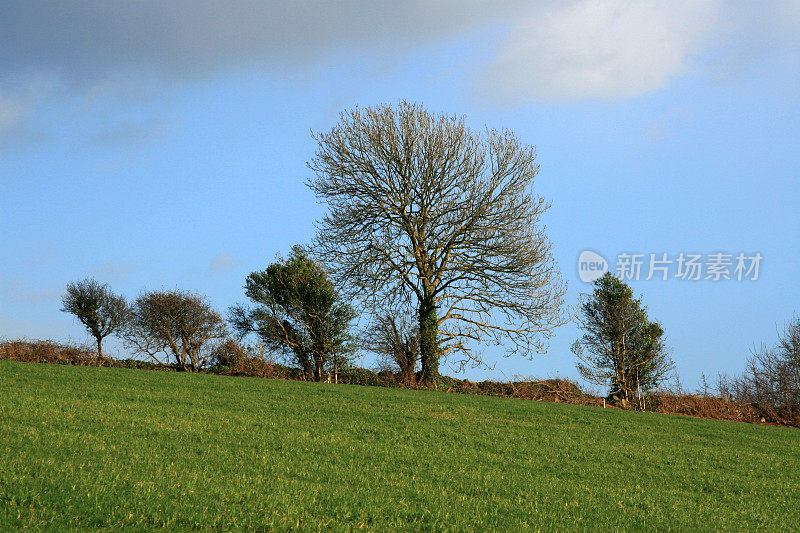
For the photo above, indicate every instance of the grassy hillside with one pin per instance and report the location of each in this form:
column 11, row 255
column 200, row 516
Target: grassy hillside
column 94, row 448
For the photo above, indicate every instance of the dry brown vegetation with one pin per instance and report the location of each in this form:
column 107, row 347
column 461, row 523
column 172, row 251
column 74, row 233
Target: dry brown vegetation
column 40, row 351
column 58, row 353
column 233, row 359
column 557, row 390
column 723, row 409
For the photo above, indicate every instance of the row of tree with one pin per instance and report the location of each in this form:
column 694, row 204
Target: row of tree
column 170, row 326
column 294, row 309
column 434, row 231
column 426, row 218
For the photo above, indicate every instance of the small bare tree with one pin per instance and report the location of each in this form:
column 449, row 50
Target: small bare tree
column 176, row 324
column 99, row 309
column 705, row 387
column 395, row 338
column 788, row 354
column 421, row 207
column 772, row 374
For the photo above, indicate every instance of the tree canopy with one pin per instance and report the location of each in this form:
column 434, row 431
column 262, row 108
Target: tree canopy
column 298, row 312
column 99, row 309
column 423, row 209
column 177, row 324
column 620, row 348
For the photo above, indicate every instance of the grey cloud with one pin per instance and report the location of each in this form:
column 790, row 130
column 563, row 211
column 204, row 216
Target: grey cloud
column 85, row 41
column 18, row 99
column 12, row 111
column 552, row 50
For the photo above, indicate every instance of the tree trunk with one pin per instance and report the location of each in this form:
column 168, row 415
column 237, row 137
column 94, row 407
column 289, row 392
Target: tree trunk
column 428, row 343
column 305, row 364
column 407, row 369
column 318, row 369
column 99, row 348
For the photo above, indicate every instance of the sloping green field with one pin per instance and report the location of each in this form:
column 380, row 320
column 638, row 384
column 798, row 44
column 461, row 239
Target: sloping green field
column 95, row 448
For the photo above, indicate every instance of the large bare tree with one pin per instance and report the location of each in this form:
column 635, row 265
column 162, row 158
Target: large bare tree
column 423, row 208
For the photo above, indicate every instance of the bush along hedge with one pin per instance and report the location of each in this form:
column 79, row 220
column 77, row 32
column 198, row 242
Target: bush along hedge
column 242, row 361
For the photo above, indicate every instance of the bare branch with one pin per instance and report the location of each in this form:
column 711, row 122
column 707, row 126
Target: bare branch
column 421, row 206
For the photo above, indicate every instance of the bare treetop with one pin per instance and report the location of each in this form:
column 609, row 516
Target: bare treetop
column 178, row 324
column 422, row 208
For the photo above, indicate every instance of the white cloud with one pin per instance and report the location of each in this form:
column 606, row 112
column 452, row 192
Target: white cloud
column 222, row 263
column 130, row 133
column 19, row 98
column 14, row 128
column 754, row 36
column 598, row 49
column 12, row 111
column 114, row 272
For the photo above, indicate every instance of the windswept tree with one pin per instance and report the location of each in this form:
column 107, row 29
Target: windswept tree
column 422, row 208
column 174, row 326
column 101, row 311
column 298, row 312
column 620, row 348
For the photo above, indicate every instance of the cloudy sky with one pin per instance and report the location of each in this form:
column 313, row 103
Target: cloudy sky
column 163, row 144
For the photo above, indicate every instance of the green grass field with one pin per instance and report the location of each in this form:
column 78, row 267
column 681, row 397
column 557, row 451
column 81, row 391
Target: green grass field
column 96, row 448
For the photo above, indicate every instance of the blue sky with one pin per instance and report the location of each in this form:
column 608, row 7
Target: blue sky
column 156, row 144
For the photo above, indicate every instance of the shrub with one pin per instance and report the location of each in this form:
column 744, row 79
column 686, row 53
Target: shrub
column 229, row 353
column 174, row 326
column 552, row 390
column 388, row 379
column 139, row 365
column 233, row 358
column 44, row 351
column 359, row 376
